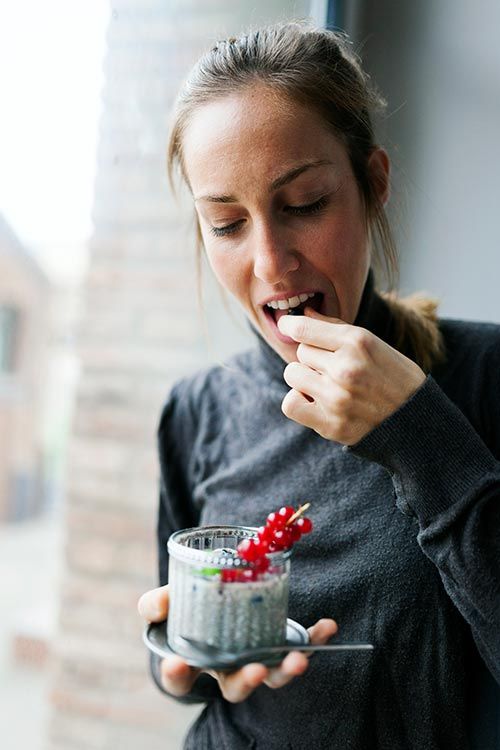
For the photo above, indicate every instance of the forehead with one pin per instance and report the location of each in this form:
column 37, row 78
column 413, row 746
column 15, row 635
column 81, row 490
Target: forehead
column 253, row 135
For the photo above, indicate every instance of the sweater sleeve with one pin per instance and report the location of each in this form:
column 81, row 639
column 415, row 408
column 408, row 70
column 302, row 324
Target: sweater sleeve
column 177, row 434
column 449, row 479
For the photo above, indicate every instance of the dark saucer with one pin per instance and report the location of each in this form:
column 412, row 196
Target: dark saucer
column 155, row 638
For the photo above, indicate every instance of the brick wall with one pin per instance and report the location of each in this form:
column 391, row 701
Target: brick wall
column 23, row 288
column 139, row 333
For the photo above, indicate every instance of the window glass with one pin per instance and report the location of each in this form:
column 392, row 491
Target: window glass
column 105, row 319
column 8, row 331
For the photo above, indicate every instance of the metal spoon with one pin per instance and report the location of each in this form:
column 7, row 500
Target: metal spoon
column 209, row 651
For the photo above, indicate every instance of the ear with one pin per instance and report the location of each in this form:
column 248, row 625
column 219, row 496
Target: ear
column 379, row 168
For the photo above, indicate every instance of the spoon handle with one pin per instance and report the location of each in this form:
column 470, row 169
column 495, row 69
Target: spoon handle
column 305, row 647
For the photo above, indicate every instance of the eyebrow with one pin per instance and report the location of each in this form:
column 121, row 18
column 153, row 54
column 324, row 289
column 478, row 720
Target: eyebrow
column 284, row 179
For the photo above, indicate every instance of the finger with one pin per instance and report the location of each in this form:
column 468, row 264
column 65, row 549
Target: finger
column 295, row 662
column 304, row 379
column 310, row 312
column 325, row 333
column 153, row 605
column 177, row 677
column 237, row 686
column 293, row 665
column 322, row 631
column 314, row 357
column 297, row 407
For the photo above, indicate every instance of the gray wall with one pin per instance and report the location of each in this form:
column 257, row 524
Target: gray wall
column 438, row 64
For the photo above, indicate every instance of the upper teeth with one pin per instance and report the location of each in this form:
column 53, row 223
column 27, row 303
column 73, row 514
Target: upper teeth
column 285, row 304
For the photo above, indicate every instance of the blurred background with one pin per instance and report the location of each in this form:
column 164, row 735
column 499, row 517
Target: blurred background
column 99, row 313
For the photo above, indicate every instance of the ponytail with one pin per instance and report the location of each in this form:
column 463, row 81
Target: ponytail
column 417, row 328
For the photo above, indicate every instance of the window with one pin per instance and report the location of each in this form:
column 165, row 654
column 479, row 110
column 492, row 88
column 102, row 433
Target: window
column 9, row 320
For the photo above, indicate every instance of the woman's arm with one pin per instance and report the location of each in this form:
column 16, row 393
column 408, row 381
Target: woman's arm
column 446, row 477
column 353, row 388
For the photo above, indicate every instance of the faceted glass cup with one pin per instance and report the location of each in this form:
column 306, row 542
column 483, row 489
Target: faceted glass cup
column 220, row 600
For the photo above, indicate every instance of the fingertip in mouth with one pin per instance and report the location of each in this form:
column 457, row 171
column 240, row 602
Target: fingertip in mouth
column 273, row 312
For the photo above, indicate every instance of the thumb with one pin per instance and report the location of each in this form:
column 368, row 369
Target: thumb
column 322, row 631
column 153, row 605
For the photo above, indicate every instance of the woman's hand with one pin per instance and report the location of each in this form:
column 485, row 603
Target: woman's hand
column 178, row 678
column 346, row 380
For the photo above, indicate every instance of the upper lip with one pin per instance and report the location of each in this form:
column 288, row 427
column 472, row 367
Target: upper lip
column 289, row 295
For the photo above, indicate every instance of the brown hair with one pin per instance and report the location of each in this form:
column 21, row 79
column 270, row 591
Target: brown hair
column 317, row 68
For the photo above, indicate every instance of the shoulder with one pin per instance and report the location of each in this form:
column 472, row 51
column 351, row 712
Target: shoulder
column 202, row 395
column 470, row 344
column 480, row 333
column 470, row 375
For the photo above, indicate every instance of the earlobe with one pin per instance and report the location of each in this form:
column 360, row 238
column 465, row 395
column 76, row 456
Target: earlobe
column 379, row 167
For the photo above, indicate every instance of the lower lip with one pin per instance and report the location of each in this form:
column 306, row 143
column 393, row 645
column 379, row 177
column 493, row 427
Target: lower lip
column 280, row 336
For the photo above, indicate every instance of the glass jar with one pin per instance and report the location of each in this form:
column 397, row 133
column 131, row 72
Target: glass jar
column 221, row 600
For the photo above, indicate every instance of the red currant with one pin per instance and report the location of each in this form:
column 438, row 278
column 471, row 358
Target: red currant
column 304, row 524
column 265, row 534
column 283, row 538
column 261, row 564
column 295, row 532
column 262, row 546
column 275, row 521
column 229, row 575
column 286, row 512
column 249, row 550
column 277, row 535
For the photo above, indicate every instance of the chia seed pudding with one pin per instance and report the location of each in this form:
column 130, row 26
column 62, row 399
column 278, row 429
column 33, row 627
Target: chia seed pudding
column 219, row 599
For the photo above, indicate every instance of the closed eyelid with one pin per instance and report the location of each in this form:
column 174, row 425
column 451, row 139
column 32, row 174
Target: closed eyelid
column 306, row 200
column 318, row 192
column 227, row 229
column 308, row 208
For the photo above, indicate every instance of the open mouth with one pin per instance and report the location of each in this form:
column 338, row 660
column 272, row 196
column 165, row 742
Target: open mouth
column 294, row 306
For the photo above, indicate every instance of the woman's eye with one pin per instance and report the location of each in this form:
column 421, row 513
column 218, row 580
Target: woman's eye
column 310, row 208
column 224, row 231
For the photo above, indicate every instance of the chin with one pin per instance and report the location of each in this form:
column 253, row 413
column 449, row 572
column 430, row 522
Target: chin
column 287, row 352
column 289, row 356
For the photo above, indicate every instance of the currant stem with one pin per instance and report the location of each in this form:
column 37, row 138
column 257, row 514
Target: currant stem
column 298, row 513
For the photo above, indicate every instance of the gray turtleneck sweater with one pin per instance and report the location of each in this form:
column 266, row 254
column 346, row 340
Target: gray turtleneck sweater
column 405, row 552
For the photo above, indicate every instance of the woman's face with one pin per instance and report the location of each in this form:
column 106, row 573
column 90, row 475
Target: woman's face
column 280, row 211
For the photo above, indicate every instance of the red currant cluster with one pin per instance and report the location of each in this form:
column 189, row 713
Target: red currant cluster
column 283, row 528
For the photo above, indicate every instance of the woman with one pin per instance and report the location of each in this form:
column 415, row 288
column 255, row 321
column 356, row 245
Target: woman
column 385, row 418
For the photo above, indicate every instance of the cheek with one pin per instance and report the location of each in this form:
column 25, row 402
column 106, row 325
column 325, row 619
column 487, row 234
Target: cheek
column 227, row 269
column 344, row 247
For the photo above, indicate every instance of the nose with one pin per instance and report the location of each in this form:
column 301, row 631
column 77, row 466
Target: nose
column 273, row 255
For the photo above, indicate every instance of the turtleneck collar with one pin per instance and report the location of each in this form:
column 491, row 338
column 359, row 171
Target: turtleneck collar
column 373, row 314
